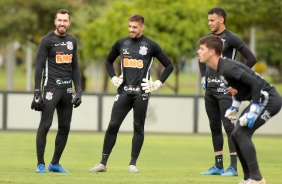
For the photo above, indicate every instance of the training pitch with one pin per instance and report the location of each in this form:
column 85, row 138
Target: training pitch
column 164, row 159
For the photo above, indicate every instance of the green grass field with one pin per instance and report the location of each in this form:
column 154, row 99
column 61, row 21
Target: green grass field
column 164, row 159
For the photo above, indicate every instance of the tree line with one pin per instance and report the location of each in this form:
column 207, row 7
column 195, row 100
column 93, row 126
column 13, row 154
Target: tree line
column 175, row 25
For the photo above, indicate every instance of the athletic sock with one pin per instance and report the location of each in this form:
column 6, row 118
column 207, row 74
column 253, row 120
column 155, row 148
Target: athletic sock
column 233, row 161
column 218, row 161
column 256, row 175
column 133, row 161
column 105, row 158
column 56, row 158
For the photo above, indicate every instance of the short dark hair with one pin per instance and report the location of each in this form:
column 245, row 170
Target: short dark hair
column 62, row 11
column 213, row 42
column 219, row 11
column 137, row 18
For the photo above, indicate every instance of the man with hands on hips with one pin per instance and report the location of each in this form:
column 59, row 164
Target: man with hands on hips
column 245, row 84
column 134, row 86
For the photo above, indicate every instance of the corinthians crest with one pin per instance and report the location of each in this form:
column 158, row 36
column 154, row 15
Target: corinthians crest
column 69, row 45
column 49, row 95
column 143, row 50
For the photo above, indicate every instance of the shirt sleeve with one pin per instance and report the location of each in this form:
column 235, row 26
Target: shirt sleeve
column 41, row 58
column 255, row 85
column 113, row 54
column 248, row 55
column 243, row 77
column 75, row 69
column 244, row 50
column 165, row 61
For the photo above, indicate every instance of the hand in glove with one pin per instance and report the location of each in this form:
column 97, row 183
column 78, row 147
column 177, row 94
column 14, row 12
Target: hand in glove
column 225, row 89
column 149, row 86
column 231, row 113
column 203, row 83
column 249, row 118
column 37, row 103
column 76, row 100
column 117, row 80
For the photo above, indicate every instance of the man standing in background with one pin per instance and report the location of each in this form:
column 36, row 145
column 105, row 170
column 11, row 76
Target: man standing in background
column 57, row 57
column 217, row 97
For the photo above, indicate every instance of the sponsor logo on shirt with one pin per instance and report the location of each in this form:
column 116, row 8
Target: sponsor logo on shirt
column 132, row 63
column 62, row 44
column 209, row 80
column 63, row 58
column 69, row 44
column 222, row 90
column 132, row 88
column 125, row 51
column 63, row 81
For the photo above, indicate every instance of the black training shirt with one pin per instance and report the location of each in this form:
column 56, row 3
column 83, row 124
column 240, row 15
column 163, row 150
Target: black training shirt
column 57, row 57
column 232, row 44
column 248, row 83
column 137, row 56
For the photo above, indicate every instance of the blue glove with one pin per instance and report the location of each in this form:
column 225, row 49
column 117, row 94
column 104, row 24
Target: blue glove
column 249, row 118
column 225, row 89
column 231, row 113
column 203, row 83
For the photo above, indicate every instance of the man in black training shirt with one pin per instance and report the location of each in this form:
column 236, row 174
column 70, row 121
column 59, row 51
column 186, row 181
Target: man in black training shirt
column 265, row 102
column 134, row 86
column 57, row 57
column 217, row 97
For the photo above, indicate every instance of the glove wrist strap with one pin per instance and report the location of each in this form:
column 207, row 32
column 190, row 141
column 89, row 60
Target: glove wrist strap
column 236, row 103
column 158, row 83
column 254, row 107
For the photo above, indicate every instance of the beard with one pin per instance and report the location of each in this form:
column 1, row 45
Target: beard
column 134, row 35
column 62, row 30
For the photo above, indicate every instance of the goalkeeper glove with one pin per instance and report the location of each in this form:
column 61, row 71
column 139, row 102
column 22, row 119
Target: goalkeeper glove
column 225, row 89
column 231, row 113
column 76, row 100
column 203, row 83
column 149, row 86
column 249, row 118
column 117, row 80
column 37, row 103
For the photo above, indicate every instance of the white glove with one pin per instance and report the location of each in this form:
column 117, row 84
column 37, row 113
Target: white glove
column 249, row 118
column 231, row 113
column 149, row 86
column 117, row 80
